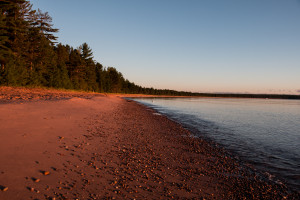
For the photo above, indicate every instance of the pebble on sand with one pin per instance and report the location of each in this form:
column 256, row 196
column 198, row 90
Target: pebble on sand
column 4, row 189
column 46, row 173
column 36, row 180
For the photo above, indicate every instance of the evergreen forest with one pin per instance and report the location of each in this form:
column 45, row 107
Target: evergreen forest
column 31, row 56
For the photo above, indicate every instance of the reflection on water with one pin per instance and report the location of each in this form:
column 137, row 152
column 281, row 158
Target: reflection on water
column 264, row 132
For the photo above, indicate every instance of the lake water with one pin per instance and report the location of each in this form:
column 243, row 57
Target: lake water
column 263, row 132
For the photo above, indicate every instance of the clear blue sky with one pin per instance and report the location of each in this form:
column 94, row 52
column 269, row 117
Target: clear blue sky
column 244, row 46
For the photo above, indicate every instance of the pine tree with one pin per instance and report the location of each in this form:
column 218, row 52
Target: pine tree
column 76, row 68
column 15, row 13
column 4, row 50
column 116, row 79
column 62, row 55
column 89, row 68
column 44, row 24
column 41, row 55
column 86, row 52
column 99, row 75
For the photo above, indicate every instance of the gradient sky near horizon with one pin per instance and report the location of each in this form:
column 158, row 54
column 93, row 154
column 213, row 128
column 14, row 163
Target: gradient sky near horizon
column 239, row 46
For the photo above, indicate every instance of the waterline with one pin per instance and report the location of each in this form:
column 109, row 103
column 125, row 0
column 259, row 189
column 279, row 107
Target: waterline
column 265, row 133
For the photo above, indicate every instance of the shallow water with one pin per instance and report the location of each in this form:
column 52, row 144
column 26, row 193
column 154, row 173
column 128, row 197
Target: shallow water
column 265, row 133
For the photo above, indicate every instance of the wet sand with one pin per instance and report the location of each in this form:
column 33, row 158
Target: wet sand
column 70, row 145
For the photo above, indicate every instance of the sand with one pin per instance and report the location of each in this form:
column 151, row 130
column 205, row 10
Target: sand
column 70, row 145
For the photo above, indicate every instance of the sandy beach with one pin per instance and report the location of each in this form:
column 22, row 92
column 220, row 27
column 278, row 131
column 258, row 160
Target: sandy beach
column 72, row 145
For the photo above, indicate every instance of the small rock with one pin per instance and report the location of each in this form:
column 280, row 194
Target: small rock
column 4, row 189
column 36, row 180
column 46, row 173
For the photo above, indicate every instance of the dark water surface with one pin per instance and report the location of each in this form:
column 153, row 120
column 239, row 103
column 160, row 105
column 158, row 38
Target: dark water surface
column 265, row 133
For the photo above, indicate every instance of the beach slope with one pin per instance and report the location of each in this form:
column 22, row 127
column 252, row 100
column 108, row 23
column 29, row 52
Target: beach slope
column 56, row 145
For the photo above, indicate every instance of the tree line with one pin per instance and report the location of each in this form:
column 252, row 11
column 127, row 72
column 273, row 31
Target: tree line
column 30, row 56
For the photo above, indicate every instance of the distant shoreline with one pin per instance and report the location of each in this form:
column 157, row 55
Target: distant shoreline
column 17, row 94
column 211, row 95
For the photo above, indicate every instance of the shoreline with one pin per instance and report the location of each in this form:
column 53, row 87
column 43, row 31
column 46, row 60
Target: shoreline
column 265, row 173
column 246, row 164
column 10, row 94
column 106, row 147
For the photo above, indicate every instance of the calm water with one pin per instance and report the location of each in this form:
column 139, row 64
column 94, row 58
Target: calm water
column 264, row 133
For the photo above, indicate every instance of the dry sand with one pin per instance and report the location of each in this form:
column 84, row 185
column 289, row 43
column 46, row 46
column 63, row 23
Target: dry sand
column 105, row 147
